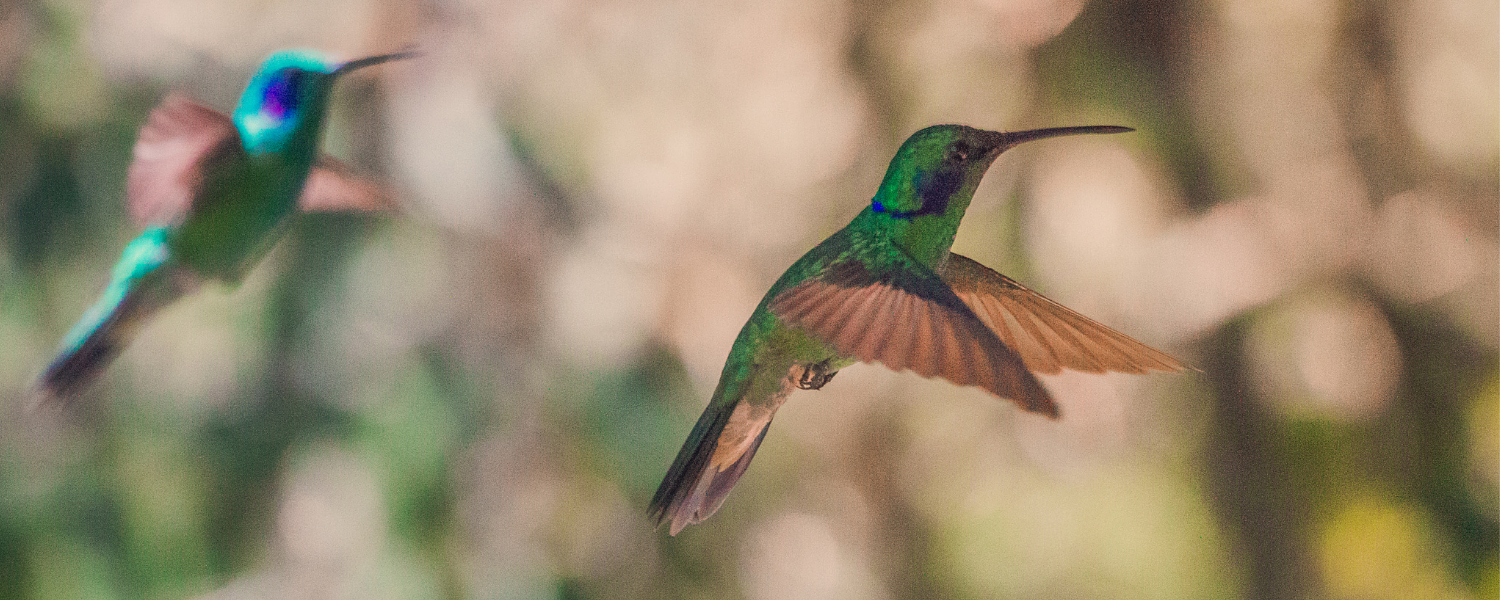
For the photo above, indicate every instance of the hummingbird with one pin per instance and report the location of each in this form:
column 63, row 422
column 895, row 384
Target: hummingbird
column 213, row 193
column 888, row 289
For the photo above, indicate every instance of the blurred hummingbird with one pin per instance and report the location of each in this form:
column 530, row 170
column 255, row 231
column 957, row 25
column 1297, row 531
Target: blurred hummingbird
column 887, row 289
column 214, row 193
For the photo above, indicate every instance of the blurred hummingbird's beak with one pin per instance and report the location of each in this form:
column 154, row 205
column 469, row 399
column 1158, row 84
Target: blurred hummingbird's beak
column 373, row 60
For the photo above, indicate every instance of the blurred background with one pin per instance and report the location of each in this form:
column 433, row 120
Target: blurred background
column 477, row 398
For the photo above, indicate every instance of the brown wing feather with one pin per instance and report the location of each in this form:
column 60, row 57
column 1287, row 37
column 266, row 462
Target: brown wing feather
column 333, row 186
column 178, row 138
column 1048, row 336
column 879, row 322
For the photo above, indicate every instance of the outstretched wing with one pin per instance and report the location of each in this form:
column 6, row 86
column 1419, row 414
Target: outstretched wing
column 181, row 141
column 334, row 186
column 171, row 153
column 872, row 301
column 1048, row 336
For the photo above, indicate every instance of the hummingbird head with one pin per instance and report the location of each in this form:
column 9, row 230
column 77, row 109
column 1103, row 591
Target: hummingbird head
column 289, row 93
column 937, row 169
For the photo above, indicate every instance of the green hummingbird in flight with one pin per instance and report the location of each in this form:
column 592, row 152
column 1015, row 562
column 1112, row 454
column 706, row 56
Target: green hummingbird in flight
column 887, row 289
column 214, row 193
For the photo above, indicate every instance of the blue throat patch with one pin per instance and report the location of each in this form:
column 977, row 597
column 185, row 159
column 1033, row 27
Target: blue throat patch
column 934, row 192
column 280, row 95
column 270, row 107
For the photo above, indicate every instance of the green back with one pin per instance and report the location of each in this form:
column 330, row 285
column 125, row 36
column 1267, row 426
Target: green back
column 247, row 195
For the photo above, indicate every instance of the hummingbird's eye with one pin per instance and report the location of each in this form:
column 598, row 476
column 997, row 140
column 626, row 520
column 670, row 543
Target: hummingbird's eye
column 959, row 152
column 281, row 95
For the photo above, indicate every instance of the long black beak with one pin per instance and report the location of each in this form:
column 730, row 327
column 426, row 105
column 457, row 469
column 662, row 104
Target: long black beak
column 373, row 60
column 1006, row 140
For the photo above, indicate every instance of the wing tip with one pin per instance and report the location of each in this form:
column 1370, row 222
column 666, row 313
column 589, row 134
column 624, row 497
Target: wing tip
column 1050, row 409
column 1034, row 397
column 1048, row 336
column 1182, row 366
column 333, row 186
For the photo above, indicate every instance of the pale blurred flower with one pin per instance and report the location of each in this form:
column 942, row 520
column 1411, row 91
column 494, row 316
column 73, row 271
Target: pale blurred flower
column 446, row 146
column 1419, row 249
column 164, row 38
column 1327, row 353
column 606, row 297
column 797, row 555
column 1449, row 59
column 709, row 299
column 330, row 526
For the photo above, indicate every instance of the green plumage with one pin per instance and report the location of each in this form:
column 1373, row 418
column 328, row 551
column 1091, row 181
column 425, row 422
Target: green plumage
column 853, row 291
column 215, row 193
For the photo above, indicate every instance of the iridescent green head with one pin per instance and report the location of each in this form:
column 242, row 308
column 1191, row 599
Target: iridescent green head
column 936, row 171
column 289, row 94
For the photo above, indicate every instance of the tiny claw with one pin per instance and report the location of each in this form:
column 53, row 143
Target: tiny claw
column 815, row 376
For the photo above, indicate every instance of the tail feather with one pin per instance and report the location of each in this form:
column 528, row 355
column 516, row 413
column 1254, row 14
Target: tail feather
column 81, row 362
column 143, row 282
column 719, row 485
column 689, row 466
column 694, row 487
column 97, row 339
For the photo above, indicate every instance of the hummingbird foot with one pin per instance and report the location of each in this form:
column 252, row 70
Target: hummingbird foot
column 815, row 376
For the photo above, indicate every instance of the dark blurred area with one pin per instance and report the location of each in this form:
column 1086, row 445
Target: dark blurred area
column 477, row 397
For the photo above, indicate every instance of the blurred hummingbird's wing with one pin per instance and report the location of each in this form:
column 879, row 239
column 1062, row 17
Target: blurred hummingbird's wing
column 1050, row 337
column 167, row 170
column 872, row 301
column 334, row 186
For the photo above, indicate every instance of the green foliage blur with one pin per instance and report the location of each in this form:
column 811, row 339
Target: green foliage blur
column 475, row 398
